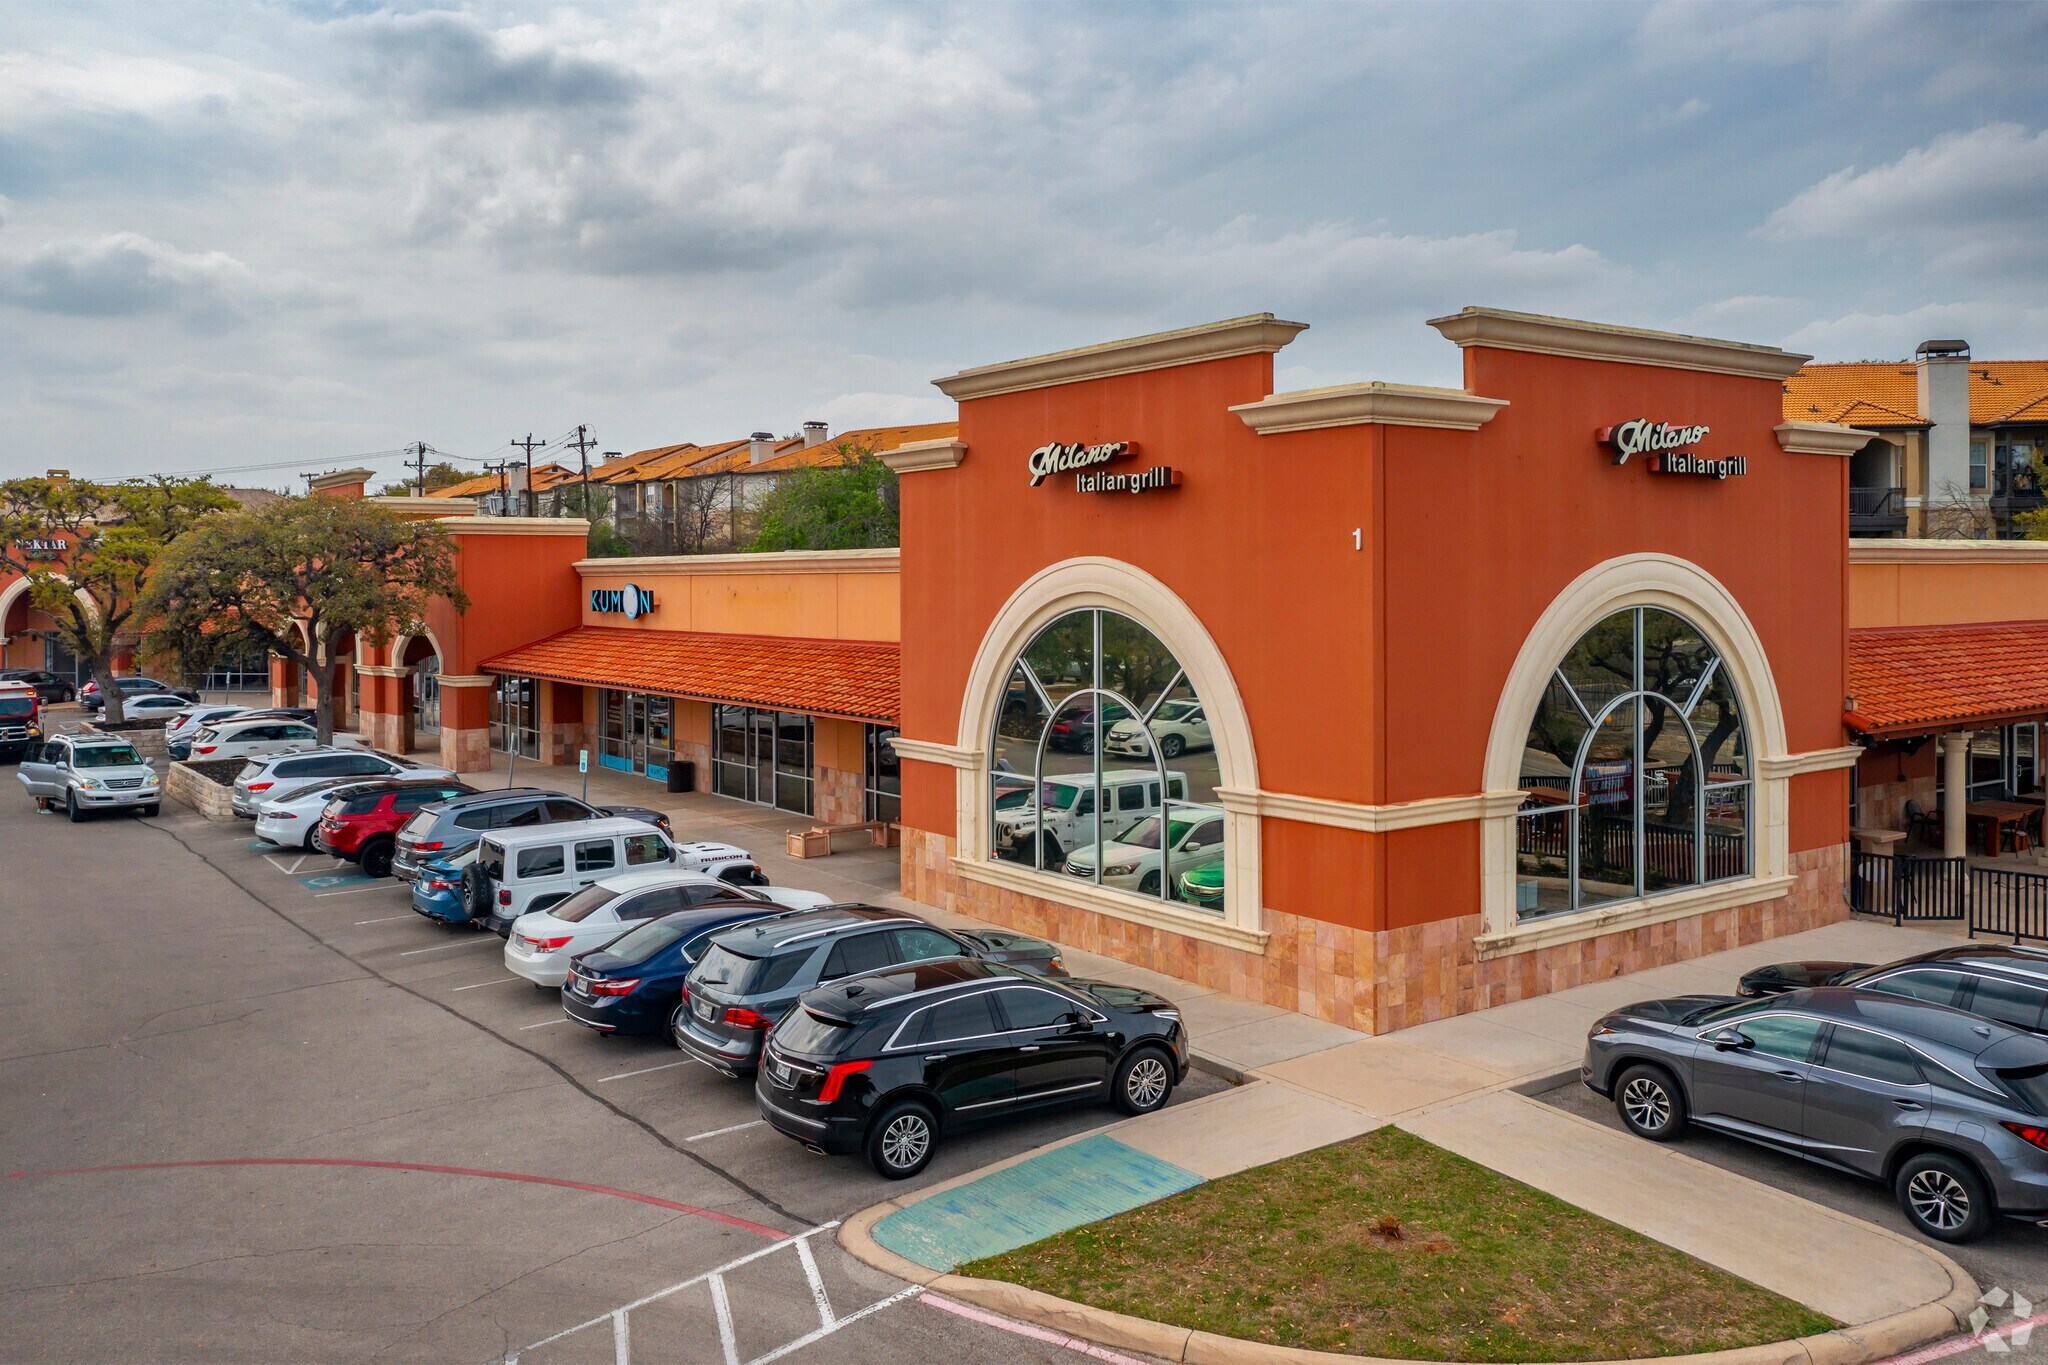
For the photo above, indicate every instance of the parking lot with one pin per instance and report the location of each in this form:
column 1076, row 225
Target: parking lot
column 262, row 1110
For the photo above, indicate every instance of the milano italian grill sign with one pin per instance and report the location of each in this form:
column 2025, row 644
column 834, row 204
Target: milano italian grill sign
column 1081, row 461
column 1666, row 449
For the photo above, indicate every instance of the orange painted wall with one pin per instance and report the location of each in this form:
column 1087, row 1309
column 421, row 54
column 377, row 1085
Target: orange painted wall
column 810, row 605
column 1939, row 588
column 1372, row 675
column 522, row 588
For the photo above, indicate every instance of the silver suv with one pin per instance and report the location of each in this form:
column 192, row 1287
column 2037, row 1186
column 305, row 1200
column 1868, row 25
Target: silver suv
column 91, row 772
column 269, row 777
column 1949, row 1109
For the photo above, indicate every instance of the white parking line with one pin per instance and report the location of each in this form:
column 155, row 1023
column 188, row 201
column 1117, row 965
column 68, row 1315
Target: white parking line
column 721, row 1132
column 481, row 984
column 352, row 891
column 667, row 1066
column 545, row 1023
column 444, row 947
column 386, row 920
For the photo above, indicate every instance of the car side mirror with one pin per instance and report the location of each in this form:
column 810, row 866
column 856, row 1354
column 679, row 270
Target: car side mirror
column 1729, row 1040
column 149, row 763
column 1194, row 846
column 1074, row 1022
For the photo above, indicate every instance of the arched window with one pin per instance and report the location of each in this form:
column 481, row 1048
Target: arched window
column 1636, row 772
column 1103, row 768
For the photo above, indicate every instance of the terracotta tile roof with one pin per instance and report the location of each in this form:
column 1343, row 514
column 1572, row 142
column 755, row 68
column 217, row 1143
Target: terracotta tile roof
column 1920, row 679
column 795, row 455
column 545, row 476
column 853, row 679
column 1886, row 393
column 626, row 469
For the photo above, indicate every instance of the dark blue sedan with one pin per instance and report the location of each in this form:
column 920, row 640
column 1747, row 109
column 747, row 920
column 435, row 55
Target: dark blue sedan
column 634, row 983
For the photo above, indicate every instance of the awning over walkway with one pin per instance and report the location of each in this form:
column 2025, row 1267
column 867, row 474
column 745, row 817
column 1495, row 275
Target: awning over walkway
column 1918, row 680
column 851, row 679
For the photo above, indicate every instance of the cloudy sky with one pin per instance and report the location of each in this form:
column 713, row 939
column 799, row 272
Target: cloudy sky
column 277, row 234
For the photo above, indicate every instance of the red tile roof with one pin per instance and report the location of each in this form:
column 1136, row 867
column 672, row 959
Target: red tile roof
column 853, row 679
column 1887, row 393
column 1920, row 679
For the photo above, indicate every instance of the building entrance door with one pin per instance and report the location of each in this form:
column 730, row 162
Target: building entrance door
column 763, row 757
column 637, row 734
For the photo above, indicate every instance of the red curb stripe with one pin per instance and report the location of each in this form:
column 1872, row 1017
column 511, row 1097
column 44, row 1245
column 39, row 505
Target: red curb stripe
column 587, row 1188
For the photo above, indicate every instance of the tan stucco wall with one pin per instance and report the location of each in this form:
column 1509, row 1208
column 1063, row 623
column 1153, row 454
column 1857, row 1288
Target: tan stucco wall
column 1926, row 583
column 851, row 595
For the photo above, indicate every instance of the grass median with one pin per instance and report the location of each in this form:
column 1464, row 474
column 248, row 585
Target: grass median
column 1389, row 1246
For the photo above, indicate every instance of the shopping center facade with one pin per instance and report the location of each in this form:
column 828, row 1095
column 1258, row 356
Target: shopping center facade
column 1378, row 702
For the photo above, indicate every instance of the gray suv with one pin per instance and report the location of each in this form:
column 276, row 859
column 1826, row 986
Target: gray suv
column 1949, row 1109
column 2005, row 982
column 750, row 976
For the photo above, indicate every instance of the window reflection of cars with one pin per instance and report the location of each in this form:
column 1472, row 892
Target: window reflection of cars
column 1203, row 886
column 1074, row 730
column 1063, row 815
column 1131, row 861
column 1177, row 726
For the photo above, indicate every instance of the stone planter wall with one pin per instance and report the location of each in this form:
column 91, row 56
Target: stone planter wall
column 205, row 787
column 146, row 735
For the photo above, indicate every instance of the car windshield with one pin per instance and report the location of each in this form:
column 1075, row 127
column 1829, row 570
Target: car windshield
column 2030, row 1083
column 582, row 905
column 417, row 827
column 1726, row 1014
column 14, row 708
column 637, row 945
column 1174, row 710
column 721, row 966
column 812, row 1035
column 1013, row 798
column 105, row 756
column 492, row 860
column 1145, row 833
column 1057, row 795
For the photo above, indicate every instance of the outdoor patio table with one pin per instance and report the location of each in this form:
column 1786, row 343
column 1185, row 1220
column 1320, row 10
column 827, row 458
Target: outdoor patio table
column 1994, row 816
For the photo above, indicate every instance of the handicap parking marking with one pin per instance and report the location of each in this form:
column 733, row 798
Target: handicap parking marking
column 328, row 881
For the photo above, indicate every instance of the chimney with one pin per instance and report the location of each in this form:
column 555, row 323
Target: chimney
column 59, row 476
column 814, row 434
column 1943, row 384
column 760, row 447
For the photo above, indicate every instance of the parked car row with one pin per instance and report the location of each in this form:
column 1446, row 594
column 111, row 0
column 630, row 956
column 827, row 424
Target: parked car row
column 1929, row 1074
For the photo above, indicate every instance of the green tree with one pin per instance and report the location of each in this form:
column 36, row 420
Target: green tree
column 850, row 504
column 117, row 534
column 442, row 475
column 2034, row 525
column 293, row 579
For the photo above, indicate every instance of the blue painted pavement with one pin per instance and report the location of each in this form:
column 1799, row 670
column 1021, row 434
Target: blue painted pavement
column 1083, row 1182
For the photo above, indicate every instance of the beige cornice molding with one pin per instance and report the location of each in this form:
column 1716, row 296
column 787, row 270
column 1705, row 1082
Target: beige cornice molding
column 1822, row 438
column 1261, row 333
column 383, row 670
column 1316, row 810
column 469, row 679
column 1122, row 905
column 517, row 526
column 943, row 452
column 927, row 751
column 427, row 507
column 1534, row 332
column 339, row 478
column 1812, row 761
column 775, row 561
column 1948, row 552
column 1349, row 405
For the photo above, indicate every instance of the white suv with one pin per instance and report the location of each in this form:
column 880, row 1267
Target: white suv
column 272, row 776
column 1062, row 814
column 254, row 738
column 1193, row 836
column 90, row 772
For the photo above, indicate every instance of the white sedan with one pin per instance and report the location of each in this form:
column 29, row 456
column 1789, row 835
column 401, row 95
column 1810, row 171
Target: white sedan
column 153, row 706
column 293, row 820
column 195, row 718
column 542, row 941
column 1177, row 726
column 1193, row 836
column 253, row 738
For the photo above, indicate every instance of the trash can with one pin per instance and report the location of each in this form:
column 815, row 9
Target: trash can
column 682, row 776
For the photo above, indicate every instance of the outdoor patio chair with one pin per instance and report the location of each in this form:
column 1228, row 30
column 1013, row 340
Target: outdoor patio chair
column 2015, row 839
column 1921, row 823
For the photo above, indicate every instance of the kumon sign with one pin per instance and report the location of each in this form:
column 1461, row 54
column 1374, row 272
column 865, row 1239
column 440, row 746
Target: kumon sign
column 629, row 601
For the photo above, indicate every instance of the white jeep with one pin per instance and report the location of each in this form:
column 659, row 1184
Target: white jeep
column 1061, row 815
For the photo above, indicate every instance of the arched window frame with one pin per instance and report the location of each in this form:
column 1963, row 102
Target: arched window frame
column 1112, row 585
column 1688, row 591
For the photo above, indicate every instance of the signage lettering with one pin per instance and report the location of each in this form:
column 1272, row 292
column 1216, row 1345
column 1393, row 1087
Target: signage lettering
column 628, row 601
column 40, row 548
column 1058, row 459
column 1158, row 476
column 1665, row 447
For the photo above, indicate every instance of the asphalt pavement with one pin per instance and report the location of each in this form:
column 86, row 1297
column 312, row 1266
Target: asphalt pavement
column 257, row 1109
column 2010, row 1258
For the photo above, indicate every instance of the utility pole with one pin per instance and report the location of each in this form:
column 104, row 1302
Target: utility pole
column 309, row 482
column 499, row 468
column 419, row 465
column 527, row 445
column 583, row 442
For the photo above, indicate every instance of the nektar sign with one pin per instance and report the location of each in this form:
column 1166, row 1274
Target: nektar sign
column 1076, row 458
column 1665, row 448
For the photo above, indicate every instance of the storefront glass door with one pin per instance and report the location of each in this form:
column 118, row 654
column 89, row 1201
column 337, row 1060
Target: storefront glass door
column 515, row 717
column 637, row 734
column 426, row 696
column 763, row 757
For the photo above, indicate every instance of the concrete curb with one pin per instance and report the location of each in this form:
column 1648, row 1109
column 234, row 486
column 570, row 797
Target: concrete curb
column 1217, row 1067
column 1856, row 1345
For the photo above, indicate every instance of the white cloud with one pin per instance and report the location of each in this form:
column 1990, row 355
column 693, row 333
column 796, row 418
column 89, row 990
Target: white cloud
column 122, row 274
column 1995, row 327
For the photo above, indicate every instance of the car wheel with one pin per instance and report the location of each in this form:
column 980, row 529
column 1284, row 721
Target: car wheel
column 1943, row 1197
column 149, row 812
column 1149, row 884
column 375, row 859
column 1144, row 1081
column 1171, row 745
column 901, row 1139
column 71, row 807
column 1087, row 744
column 1650, row 1103
column 1054, row 855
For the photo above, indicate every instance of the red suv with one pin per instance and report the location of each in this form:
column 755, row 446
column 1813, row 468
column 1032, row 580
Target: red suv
column 361, row 823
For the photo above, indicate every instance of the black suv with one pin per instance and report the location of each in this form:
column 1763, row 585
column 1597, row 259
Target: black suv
column 750, row 977
column 2004, row 982
column 448, row 828
column 886, row 1062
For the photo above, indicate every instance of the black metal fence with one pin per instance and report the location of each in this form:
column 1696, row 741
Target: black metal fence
column 2001, row 902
